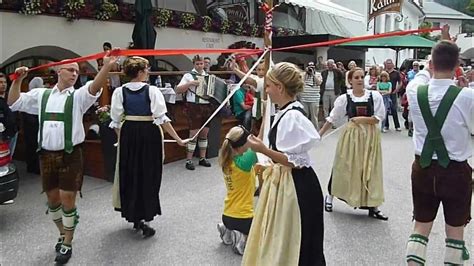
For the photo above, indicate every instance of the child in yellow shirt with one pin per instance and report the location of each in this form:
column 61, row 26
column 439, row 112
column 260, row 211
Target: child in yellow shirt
column 237, row 160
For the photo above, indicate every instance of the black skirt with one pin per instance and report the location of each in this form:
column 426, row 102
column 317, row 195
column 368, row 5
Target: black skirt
column 310, row 201
column 140, row 170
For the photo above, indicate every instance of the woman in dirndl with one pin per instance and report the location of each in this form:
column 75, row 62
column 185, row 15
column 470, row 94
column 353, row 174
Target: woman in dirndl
column 288, row 225
column 137, row 182
column 357, row 177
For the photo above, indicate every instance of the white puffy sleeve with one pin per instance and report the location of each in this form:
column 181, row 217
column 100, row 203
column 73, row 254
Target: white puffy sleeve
column 85, row 98
column 379, row 107
column 296, row 135
column 28, row 102
column 116, row 108
column 158, row 106
column 339, row 110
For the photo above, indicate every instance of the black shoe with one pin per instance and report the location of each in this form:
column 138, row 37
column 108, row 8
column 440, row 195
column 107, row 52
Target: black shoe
column 147, row 230
column 190, row 165
column 64, row 254
column 377, row 214
column 327, row 205
column 57, row 247
column 137, row 225
column 204, row 162
column 410, row 132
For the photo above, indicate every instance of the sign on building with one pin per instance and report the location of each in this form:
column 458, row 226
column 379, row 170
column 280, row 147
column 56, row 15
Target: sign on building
column 379, row 7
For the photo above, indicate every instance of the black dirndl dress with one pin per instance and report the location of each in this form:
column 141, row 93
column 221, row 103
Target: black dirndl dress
column 141, row 159
column 310, row 201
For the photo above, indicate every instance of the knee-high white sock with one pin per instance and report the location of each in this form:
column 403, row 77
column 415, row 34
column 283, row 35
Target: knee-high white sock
column 456, row 252
column 416, row 249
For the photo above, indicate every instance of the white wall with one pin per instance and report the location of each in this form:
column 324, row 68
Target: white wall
column 464, row 42
column 85, row 37
column 455, row 25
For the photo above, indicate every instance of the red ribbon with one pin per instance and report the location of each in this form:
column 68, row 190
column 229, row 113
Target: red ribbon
column 242, row 52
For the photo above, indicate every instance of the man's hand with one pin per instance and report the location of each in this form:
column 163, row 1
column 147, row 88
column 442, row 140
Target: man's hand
column 22, row 72
column 445, row 33
column 109, row 60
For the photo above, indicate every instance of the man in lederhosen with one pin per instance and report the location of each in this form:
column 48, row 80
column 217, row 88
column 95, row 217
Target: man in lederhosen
column 60, row 137
column 441, row 113
column 197, row 110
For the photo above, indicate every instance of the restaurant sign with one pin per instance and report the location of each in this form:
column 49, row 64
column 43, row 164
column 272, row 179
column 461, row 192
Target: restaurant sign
column 379, row 7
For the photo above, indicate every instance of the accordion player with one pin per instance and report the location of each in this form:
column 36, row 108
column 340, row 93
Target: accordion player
column 211, row 88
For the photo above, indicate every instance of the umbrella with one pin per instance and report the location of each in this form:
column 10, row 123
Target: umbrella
column 396, row 43
column 144, row 34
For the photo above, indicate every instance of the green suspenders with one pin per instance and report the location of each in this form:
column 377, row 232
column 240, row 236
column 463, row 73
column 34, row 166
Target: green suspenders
column 434, row 140
column 65, row 117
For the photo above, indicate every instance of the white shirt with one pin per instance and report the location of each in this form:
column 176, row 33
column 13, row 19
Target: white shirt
column 455, row 130
column 296, row 135
column 330, row 81
column 53, row 131
column 339, row 111
column 157, row 104
column 191, row 92
column 258, row 89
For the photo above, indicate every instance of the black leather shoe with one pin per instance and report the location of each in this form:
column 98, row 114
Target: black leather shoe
column 64, row 254
column 57, row 247
column 147, row 230
column 137, row 225
column 327, row 205
column 377, row 214
column 190, row 165
column 204, row 162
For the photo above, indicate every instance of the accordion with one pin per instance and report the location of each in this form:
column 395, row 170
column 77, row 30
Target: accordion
column 211, row 88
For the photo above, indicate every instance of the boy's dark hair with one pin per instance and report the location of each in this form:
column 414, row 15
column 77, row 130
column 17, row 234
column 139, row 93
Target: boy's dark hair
column 197, row 58
column 445, row 56
column 207, row 58
column 107, row 44
column 2, row 75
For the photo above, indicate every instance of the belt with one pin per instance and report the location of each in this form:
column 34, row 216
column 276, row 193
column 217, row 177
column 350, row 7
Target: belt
column 418, row 157
column 139, row 118
column 60, row 151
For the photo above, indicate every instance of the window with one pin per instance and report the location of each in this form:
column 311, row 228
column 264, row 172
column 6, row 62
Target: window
column 436, row 24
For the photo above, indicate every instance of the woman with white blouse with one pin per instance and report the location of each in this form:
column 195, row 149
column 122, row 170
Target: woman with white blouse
column 288, row 224
column 357, row 171
column 137, row 182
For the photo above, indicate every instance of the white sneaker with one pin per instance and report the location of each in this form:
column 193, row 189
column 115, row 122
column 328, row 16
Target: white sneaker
column 225, row 234
column 238, row 242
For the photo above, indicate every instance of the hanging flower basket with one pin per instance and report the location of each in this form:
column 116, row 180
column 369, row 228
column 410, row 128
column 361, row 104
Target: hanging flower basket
column 162, row 17
column 72, row 8
column 31, row 7
column 207, row 23
column 187, row 20
column 107, row 11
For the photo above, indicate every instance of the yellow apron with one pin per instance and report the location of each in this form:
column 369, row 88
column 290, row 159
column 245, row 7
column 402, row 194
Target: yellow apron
column 275, row 235
column 357, row 170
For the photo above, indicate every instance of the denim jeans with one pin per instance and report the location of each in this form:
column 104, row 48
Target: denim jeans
column 394, row 112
